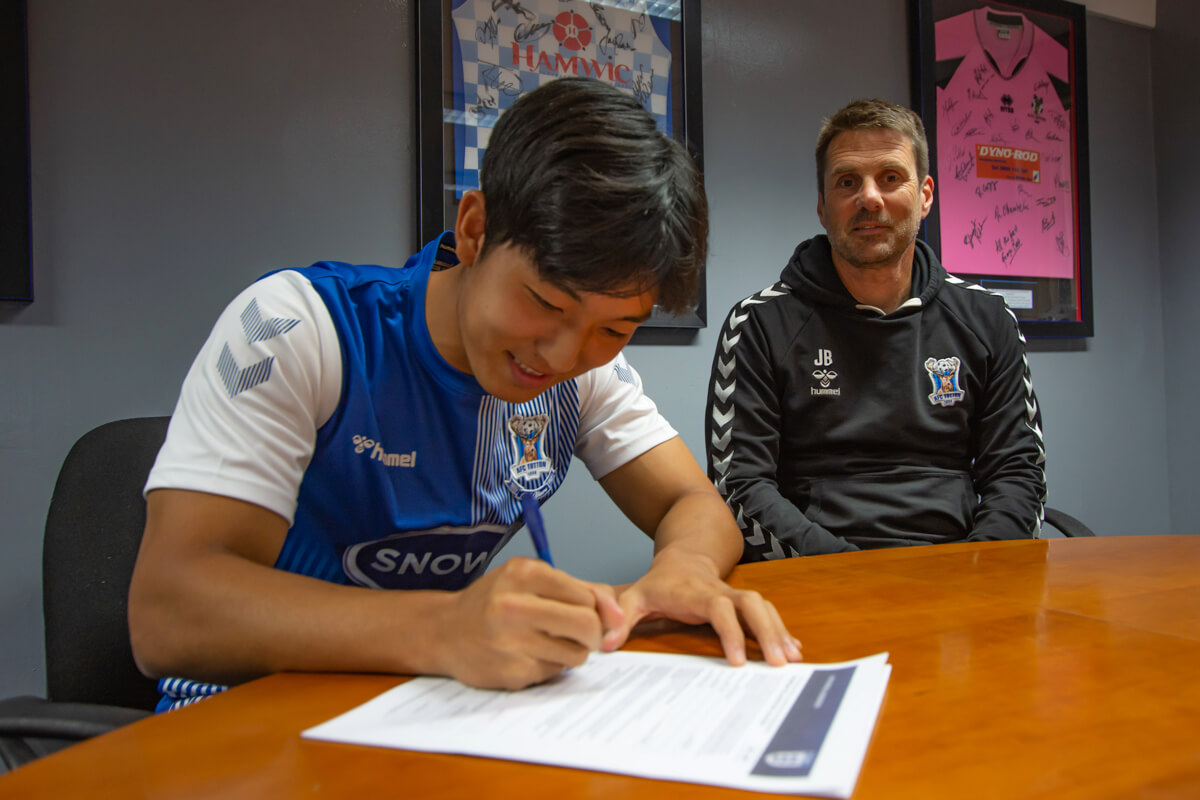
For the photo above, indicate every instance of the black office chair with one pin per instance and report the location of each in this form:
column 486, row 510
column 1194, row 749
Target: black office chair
column 1066, row 524
column 93, row 530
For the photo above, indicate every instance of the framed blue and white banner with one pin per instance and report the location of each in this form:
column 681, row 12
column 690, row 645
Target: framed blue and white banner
column 476, row 57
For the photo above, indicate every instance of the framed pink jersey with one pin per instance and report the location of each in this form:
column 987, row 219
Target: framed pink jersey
column 1000, row 87
column 1004, row 165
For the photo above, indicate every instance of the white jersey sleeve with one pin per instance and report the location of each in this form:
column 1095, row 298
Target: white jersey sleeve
column 618, row 422
column 268, row 377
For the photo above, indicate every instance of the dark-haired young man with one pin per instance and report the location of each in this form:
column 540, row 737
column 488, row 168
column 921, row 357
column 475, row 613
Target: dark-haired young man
column 353, row 428
column 869, row 399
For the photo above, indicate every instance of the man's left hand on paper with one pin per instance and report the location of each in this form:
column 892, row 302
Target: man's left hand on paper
column 696, row 543
column 688, row 590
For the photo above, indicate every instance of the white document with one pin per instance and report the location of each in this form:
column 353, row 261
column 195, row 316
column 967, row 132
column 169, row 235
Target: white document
column 798, row 729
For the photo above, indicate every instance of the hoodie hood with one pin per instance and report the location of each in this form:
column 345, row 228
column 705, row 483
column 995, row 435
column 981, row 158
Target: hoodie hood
column 810, row 273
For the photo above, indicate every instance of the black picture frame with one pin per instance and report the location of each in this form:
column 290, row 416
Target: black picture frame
column 445, row 98
column 1002, row 90
column 16, row 254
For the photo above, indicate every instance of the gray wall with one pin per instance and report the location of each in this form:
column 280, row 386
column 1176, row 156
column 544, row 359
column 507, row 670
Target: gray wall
column 1176, row 62
column 180, row 149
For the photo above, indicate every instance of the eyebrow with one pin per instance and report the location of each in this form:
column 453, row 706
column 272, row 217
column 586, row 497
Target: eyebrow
column 898, row 166
column 636, row 319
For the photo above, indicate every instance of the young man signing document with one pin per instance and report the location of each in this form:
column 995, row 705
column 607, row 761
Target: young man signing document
column 350, row 429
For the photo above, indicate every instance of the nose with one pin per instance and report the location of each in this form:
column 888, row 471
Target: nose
column 869, row 196
column 561, row 348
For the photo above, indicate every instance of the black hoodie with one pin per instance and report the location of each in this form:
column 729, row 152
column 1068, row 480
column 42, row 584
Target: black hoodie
column 831, row 426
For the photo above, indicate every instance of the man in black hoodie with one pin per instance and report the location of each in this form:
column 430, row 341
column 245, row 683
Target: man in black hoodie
column 870, row 399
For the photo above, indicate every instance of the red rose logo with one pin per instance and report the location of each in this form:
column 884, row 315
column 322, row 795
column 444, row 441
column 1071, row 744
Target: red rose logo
column 572, row 31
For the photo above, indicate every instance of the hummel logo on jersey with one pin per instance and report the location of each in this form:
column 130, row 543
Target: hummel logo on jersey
column 238, row 379
column 624, row 373
column 826, row 377
column 944, row 374
column 362, row 444
column 258, row 329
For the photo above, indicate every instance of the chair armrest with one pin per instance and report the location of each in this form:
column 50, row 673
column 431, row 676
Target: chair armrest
column 33, row 717
column 1066, row 523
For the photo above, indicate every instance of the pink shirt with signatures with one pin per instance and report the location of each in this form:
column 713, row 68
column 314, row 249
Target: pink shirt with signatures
column 1004, row 162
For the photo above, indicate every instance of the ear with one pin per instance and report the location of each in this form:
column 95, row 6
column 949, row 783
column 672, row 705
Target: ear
column 821, row 209
column 926, row 195
column 468, row 227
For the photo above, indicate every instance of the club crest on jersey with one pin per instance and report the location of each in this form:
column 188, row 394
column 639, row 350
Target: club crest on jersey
column 944, row 374
column 532, row 472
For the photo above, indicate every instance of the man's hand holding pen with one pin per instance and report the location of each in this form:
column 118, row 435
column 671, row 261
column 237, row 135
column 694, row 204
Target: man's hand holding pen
column 523, row 623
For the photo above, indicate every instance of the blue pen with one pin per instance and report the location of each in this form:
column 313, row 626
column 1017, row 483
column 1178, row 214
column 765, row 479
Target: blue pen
column 537, row 529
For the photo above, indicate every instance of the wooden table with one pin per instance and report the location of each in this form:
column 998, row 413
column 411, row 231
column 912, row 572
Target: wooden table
column 1065, row 668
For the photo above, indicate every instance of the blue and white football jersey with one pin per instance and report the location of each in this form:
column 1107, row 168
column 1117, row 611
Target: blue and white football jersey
column 320, row 396
column 407, row 485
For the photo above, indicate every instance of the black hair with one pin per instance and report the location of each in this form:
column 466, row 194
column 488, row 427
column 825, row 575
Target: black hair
column 577, row 175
